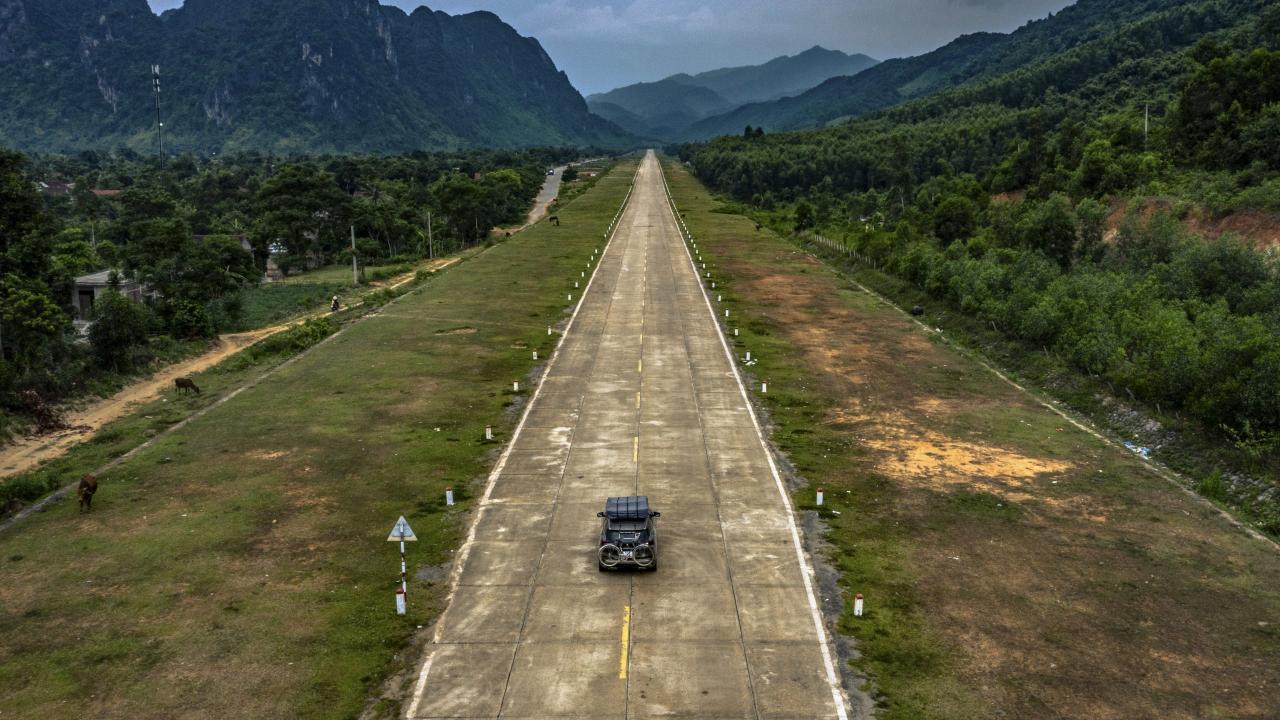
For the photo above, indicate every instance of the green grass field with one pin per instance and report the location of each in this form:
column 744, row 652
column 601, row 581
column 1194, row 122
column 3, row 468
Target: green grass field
column 310, row 291
column 238, row 567
column 1013, row 565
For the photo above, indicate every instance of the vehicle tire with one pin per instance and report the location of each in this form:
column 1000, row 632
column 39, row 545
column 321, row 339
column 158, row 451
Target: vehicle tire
column 600, row 566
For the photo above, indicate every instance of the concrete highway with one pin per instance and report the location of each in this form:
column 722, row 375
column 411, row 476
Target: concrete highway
column 643, row 398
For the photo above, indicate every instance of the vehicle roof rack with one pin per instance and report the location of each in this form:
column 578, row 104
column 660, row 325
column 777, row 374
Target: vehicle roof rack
column 634, row 507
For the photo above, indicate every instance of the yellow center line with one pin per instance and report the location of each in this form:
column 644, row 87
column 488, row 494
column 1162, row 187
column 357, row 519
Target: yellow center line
column 640, row 365
column 635, row 449
column 637, row 399
column 626, row 642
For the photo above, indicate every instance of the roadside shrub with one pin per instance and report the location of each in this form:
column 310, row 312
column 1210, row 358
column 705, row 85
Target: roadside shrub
column 1212, row 487
column 385, row 272
column 283, row 344
column 119, row 326
column 20, row 490
column 188, row 320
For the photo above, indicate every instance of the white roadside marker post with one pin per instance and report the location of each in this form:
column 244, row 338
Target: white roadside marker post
column 548, row 329
column 764, row 388
column 448, row 496
column 748, row 356
column 735, row 332
column 857, row 605
column 819, row 497
column 515, row 386
column 402, row 533
column 488, row 432
column 535, row 354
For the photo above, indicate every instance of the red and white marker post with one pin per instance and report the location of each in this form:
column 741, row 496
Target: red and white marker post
column 857, row 605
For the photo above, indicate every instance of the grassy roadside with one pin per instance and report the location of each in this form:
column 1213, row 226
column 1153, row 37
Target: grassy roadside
column 121, row 436
column 237, row 567
column 1013, row 565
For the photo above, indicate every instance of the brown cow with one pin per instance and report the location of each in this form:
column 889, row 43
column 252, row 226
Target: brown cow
column 185, row 384
column 88, row 486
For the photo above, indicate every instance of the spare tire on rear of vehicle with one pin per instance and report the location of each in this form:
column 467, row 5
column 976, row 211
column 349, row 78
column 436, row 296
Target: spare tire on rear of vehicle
column 609, row 556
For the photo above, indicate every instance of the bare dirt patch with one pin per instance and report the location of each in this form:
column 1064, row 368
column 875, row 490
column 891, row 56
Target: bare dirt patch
column 266, row 454
column 942, row 463
column 458, row 331
column 1259, row 227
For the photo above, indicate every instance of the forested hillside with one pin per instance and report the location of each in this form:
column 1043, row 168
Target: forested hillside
column 967, row 61
column 279, row 75
column 995, row 196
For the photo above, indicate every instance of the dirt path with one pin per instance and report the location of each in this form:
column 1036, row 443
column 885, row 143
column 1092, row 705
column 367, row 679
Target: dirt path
column 32, row 451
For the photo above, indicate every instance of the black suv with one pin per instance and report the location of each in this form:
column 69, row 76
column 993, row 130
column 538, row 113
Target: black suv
column 628, row 534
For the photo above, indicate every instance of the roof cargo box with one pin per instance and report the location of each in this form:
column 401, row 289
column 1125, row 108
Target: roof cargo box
column 634, row 507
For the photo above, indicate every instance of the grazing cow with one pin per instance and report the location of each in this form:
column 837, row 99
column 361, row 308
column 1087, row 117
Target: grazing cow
column 554, row 219
column 758, row 227
column 185, row 384
column 917, row 311
column 88, row 486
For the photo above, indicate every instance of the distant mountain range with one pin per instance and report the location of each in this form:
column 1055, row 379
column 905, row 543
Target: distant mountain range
column 667, row 108
column 279, row 75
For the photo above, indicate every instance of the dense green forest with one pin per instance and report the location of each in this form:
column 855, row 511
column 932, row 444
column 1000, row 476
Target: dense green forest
column 995, row 197
column 196, row 233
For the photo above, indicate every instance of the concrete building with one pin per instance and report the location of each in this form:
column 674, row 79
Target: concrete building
column 89, row 287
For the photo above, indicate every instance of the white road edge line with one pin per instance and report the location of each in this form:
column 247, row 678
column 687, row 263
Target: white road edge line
column 837, row 694
column 456, row 573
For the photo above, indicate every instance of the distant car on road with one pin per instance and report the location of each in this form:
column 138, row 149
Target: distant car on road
column 552, row 171
column 628, row 534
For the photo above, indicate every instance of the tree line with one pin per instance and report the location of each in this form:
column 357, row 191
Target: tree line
column 195, row 233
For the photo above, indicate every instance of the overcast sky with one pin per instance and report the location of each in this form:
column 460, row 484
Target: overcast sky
column 606, row 43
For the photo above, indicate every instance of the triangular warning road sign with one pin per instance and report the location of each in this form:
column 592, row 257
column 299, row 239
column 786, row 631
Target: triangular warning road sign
column 402, row 532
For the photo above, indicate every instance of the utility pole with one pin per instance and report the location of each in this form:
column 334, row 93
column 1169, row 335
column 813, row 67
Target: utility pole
column 431, row 245
column 355, row 272
column 155, row 87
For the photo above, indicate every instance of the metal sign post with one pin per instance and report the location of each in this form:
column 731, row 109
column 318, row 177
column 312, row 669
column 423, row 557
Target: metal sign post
column 402, row 533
